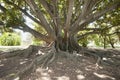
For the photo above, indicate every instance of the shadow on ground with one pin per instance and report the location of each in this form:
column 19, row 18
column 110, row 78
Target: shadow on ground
column 64, row 68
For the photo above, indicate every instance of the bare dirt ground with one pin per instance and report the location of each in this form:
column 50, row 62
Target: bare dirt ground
column 81, row 68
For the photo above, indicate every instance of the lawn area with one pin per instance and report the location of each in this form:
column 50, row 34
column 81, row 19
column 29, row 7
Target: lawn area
column 11, row 48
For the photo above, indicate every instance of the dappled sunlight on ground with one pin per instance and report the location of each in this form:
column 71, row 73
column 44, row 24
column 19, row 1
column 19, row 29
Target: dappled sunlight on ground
column 63, row 68
column 103, row 76
column 66, row 69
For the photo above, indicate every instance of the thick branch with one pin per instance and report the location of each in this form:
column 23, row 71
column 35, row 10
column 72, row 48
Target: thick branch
column 1, row 23
column 56, row 19
column 99, row 29
column 26, row 28
column 94, row 32
column 86, row 11
column 24, row 11
column 41, row 17
column 35, row 33
column 88, row 29
column 2, row 8
column 86, row 34
column 112, row 33
column 68, row 20
column 48, row 7
column 69, row 14
column 87, row 7
column 95, row 16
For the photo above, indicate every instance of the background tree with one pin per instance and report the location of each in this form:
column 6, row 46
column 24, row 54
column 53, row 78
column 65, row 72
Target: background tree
column 110, row 26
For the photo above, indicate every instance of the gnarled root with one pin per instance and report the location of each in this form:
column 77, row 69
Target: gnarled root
column 102, row 56
column 42, row 60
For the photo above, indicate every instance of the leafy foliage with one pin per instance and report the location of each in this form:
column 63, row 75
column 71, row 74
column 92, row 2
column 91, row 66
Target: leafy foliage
column 10, row 39
column 41, row 30
column 62, row 19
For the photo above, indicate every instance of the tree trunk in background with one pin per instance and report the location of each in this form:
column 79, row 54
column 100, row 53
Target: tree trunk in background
column 111, row 42
column 104, row 42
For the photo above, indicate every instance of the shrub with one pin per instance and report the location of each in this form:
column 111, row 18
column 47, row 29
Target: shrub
column 10, row 39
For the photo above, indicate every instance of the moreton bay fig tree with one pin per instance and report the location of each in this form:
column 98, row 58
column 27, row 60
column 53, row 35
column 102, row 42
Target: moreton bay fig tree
column 62, row 22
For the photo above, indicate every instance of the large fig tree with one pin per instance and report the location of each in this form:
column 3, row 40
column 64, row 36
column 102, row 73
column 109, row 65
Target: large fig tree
column 61, row 19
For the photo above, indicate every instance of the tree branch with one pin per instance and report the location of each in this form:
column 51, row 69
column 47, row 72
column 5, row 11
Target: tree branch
column 95, row 16
column 86, row 34
column 97, row 31
column 1, row 23
column 41, row 17
column 26, row 13
column 26, row 28
column 49, row 9
column 35, row 33
column 2, row 8
column 87, row 7
column 56, row 19
column 86, row 10
column 69, row 14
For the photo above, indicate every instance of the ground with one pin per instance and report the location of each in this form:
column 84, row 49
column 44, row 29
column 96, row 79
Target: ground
column 79, row 67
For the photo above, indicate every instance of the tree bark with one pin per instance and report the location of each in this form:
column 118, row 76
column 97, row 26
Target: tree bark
column 68, row 44
column 111, row 42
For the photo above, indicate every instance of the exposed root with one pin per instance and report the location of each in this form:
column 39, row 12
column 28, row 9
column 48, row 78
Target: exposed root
column 40, row 60
column 22, row 53
column 102, row 56
column 43, row 60
column 22, row 71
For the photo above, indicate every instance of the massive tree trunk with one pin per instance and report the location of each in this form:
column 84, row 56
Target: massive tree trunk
column 62, row 23
column 69, row 44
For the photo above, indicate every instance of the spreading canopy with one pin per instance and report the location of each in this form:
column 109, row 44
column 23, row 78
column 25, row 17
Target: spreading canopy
column 61, row 19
